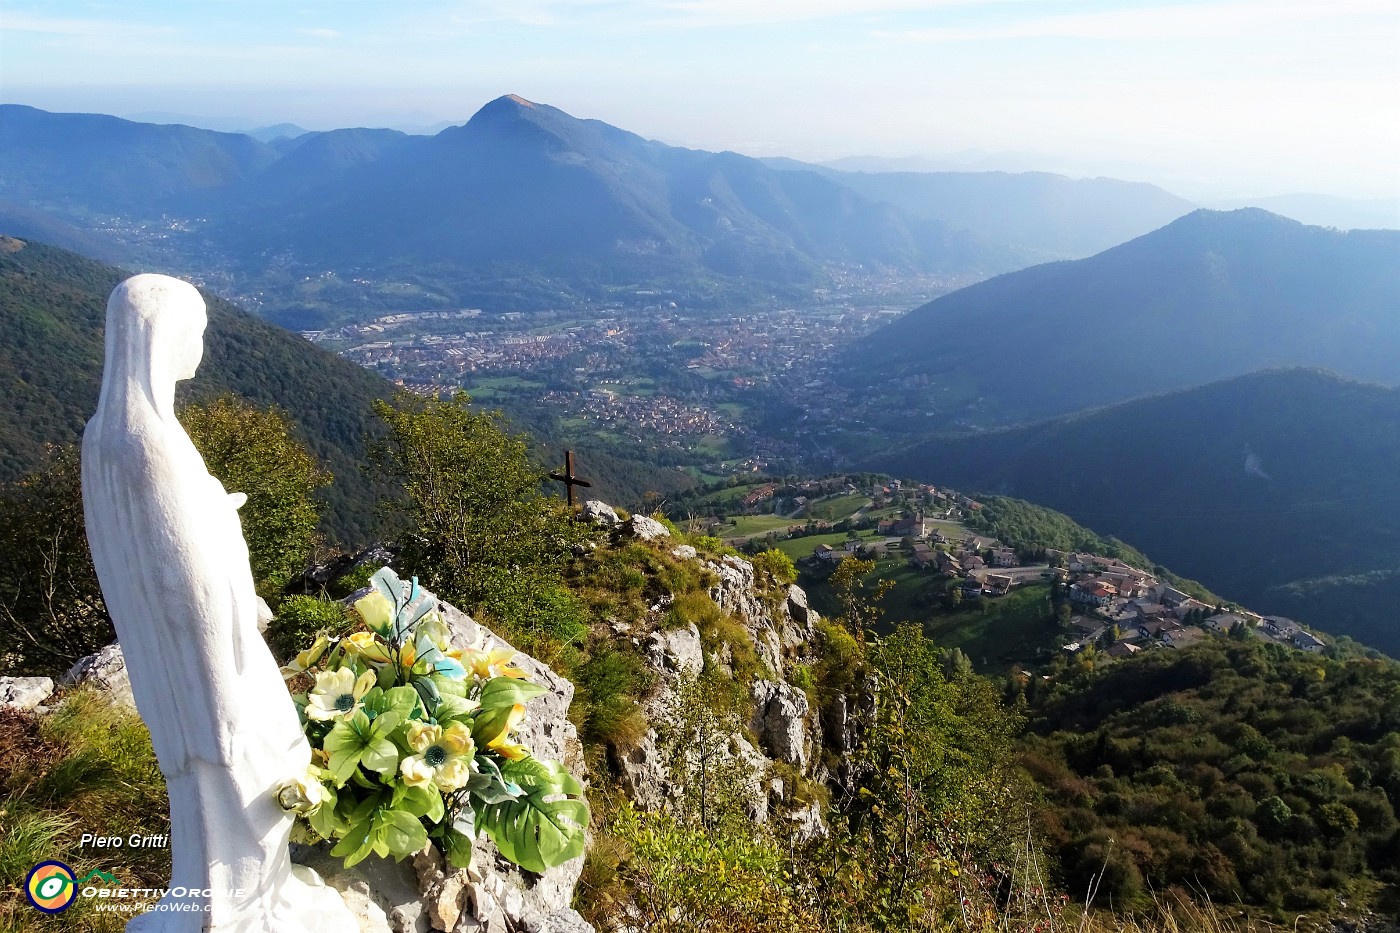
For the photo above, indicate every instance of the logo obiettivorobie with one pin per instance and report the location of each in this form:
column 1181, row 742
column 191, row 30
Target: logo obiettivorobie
column 51, row 887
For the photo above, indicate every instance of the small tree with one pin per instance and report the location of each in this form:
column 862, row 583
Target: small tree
column 253, row 451
column 777, row 564
column 50, row 604
column 472, row 519
column 695, row 740
column 859, row 602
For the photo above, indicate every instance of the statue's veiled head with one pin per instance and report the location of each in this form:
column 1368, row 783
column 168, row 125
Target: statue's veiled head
column 155, row 338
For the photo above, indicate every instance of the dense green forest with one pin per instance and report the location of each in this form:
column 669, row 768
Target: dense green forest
column 52, row 307
column 1245, row 772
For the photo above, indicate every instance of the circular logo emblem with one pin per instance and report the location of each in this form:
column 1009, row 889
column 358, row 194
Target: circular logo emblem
column 51, row 887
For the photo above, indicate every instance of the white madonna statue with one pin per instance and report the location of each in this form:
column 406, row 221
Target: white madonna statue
column 173, row 565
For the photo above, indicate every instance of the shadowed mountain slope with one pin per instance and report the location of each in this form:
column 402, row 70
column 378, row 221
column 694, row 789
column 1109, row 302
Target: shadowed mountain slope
column 1258, row 487
column 1209, row 296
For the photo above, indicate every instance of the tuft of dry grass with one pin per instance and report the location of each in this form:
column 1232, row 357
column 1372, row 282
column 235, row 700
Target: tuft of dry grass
column 87, row 767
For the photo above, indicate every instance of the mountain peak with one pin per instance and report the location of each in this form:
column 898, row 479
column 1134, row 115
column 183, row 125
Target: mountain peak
column 516, row 98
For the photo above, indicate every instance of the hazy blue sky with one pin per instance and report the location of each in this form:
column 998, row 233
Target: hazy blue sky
column 1244, row 97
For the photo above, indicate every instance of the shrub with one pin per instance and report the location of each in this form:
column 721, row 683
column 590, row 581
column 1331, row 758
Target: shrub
column 682, row 877
column 777, row 565
column 609, row 684
column 299, row 620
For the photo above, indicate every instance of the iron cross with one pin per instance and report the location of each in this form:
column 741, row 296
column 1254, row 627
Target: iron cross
column 569, row 479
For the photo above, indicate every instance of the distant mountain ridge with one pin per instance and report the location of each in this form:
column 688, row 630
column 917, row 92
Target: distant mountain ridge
column 1040, row 215
column 526, row 194
column 1210, row 296
column 1255, row 486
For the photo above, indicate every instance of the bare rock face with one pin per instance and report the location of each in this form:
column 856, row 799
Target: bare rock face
column 735, row 591
column 780, row 721
column 600, row 513
column 645, row 529
column 801, row 627
column 24, row 693
column 107, row 671
column 676, row 650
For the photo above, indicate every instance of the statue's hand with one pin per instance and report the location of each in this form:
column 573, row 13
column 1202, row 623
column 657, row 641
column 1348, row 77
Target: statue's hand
column 236, row 499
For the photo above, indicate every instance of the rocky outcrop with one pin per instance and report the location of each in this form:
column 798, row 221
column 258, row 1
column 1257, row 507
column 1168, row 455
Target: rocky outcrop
column 25, row 693
column 600, row 513
column 779, row 727
column 645, row 529
column 676, row 650
column 780, row 721
column 105, row 670
column 322, row 574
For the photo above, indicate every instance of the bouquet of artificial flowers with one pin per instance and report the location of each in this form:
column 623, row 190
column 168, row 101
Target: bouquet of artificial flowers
column 412, row 742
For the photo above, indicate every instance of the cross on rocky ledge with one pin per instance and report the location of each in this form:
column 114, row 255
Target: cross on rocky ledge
column 568, row 478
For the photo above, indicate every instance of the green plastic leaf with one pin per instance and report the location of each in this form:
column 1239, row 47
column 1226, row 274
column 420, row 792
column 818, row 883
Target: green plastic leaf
column 448, row 686
column 401, row 700
column 507, row 691
column 454, row 708
column 459, row 848
column 489, row 724
column 429, row 692
column 326, row 819
column 403, row 834
column 344, row 745
column 382, row 756
column 366, row 832
column 388, row 583
column 534, row 831
column 488, row 784
column 424, row 801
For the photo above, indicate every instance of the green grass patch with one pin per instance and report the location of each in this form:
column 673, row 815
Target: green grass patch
column 87, row 767
column 746, row 526
column 1018, row 628
column 836, row 508
column 799, row 548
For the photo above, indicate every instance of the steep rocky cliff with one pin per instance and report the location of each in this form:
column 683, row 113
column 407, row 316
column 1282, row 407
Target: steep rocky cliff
column 697, row 615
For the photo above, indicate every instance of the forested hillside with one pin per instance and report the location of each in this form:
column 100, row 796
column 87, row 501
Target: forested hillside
column 1210, row 296
column 52, row 308
column 1240, row 771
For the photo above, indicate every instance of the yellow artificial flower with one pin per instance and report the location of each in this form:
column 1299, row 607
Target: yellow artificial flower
column 376, row 610
column 367, row 645
column 443, row 756
column 337, row 694
column 488, row 664
column 301, row 794
column 502, row 744
column 303, row 661
column 508, row 749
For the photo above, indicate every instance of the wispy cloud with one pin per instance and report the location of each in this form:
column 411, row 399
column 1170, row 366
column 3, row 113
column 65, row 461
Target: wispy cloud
column 321, row 33
column 1180, row 21
column 750, row 12
column 17, row 21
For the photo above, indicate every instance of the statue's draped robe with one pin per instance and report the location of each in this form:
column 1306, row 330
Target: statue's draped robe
column 170, row 555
